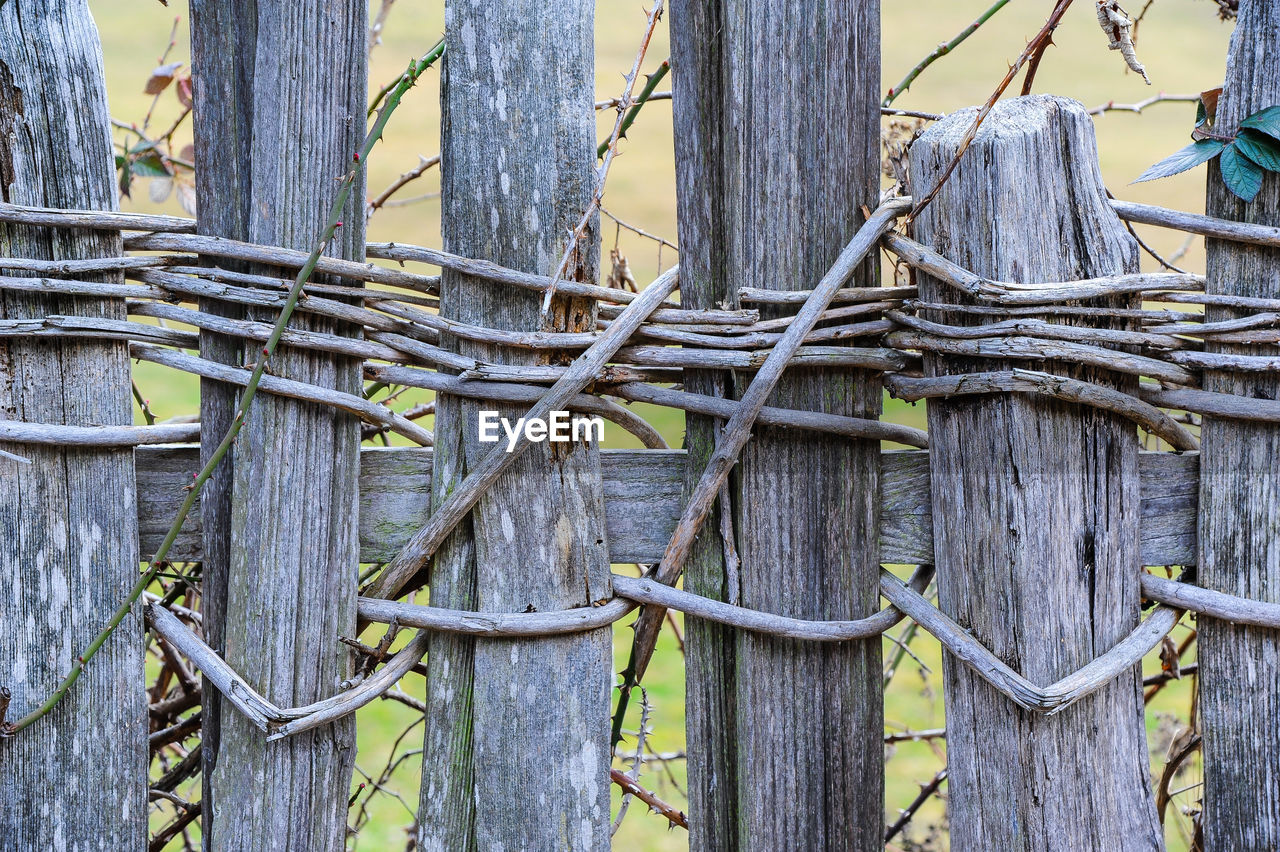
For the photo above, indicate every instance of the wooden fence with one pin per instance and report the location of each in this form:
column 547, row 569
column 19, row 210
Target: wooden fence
column 1045, row 355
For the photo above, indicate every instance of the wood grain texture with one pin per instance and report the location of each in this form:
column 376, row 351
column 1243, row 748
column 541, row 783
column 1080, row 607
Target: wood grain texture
column 643, row 499
column 1240, row 493
column 517, row 740
column 1036, row 502
column 76, row 779
column 282, row 89
column 776, row 147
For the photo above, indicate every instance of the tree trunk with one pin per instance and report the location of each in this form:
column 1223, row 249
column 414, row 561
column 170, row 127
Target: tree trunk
column 777, row 145
column 1036, row 501
column 281, row 88
column 517, row 739
column 1240, row 493
column 76, row 779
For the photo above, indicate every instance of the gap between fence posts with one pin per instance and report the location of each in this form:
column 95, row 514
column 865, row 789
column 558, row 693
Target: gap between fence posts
column 1240, row 493
column 281, row 517
column 1035, row 500
column 516, row 742
column 68, row 524
column 773, row 160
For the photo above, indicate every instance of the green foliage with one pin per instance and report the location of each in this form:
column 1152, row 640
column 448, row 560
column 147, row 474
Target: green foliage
column 1253, row 150
column 1187, row 158
column 1241, row 175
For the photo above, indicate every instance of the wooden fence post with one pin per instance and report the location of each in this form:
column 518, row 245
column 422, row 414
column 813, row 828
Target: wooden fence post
column 281, row 91
column 1240, row 493
column 777, row 145
column 517, row 739
column 1036, row 501
column 75, row 779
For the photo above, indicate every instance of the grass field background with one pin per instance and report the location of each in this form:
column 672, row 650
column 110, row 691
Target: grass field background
column 1181, row 42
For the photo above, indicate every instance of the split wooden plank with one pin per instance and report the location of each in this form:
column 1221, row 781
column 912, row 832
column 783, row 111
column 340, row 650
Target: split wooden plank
column 643, row 498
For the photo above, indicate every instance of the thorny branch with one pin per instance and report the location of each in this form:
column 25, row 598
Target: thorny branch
column 926, row 793
column 940, row 51
column 1033, row 51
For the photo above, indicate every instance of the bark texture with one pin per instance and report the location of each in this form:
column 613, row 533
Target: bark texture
column 281, row 92
column 517, row 739
column 1240, row 494
column 1035, row 502
column 777, row 146
column 76, row 779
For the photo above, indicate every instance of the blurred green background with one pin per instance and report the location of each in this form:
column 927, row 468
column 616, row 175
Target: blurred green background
column 1183, row 46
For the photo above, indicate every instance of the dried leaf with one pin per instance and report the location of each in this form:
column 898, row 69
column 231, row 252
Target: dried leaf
column 183, row 91
column 161, row 78
column 159, row 189
column 188, row 153
column 1180, row 742
column 186, row 196
column 1169, row 662
column 620, row 277
column 1119, row 29
column 1209, row 100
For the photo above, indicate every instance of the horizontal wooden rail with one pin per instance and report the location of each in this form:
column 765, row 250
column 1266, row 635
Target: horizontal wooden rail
column 643, row 493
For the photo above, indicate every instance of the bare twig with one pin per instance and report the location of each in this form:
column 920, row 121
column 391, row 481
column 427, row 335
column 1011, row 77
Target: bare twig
column 609, row 153
column 379, row 23
column 424, row 165
column 1182, row 751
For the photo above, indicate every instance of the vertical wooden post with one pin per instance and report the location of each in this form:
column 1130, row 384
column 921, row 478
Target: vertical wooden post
column 777, row 145
column 223, row 120
column 76, row 779
column 281, row 87
column 517, row 740
column 1035, row 501
column 1240, row 493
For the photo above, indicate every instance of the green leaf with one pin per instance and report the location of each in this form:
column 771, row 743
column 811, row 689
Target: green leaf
column 1241, row 175
column 126, row 178
column 150, row 166
column 1263, row 150
column 1267, row 121
column 1188, row 158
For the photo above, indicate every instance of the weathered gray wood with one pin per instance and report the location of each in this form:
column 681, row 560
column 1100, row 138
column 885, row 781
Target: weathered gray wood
column 1240, row 492
column 280, row 111
column 643, row 499
column 776, row 148
column 516, row 745
column 76, row 779
column 1036, row 501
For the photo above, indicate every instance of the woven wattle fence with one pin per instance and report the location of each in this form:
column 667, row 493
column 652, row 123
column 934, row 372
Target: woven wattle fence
column 631, row 357
column 401, row 346
column 1048, row 361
